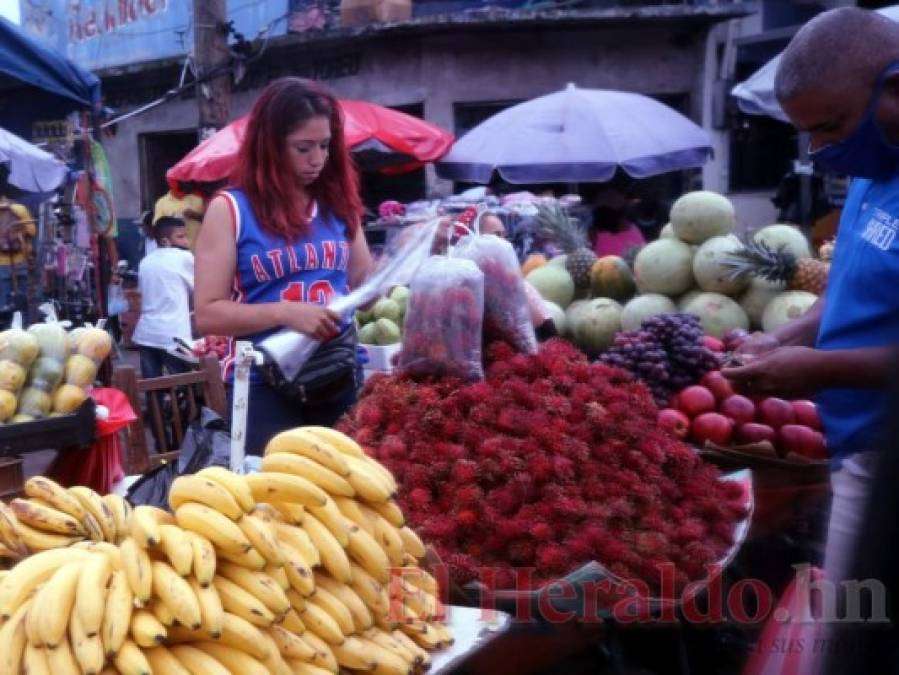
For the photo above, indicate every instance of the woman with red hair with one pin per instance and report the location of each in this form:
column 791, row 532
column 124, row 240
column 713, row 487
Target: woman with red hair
column 280, row 243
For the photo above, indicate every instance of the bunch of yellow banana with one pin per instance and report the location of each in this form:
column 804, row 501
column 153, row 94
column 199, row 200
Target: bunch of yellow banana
column 51, row 516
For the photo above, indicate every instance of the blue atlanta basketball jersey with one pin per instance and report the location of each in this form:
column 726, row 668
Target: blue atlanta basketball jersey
column 313, row 268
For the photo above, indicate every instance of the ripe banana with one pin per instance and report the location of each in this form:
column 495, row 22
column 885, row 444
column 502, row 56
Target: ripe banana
column 178, row 548
column 300, row 442
column 175, row 592
column 331, row 517
column 35, row 660
column 251, row 559
column 144, row 526
column 121, row 513
column 333, row 557
column 211, row 611
column 390, row 643
column 339, row 441
column 197, row 661
column 8, row 533
column 290, row 512
column 290, row 645
column 117, row 615
column 285, row 487
column 297, row 599
column 412, row 544
column 166, row 617
column 305, row 668
column 292, row 622
column 420, row 579
column 111, row 551
column 355, row 654
column 311, row 470
column 262, row 537
column 277, row 573
column 426, row 637
column 390, row 540
column 352, row 511
column 366, row 551
column 362, row 618
column 297, row 537
column 220, row 530
column 61, row 659
column 12, row 640
column 53, row 603
column 367, row 482
column 88, row 650
column 42, row 516
column 93, row 503
column 233, row 659
column 26, row 576
column 324, row 655
column 319, row 622
column 237, row 601
column 38, row 540
column 93, row 529
column 196, row 488
column 298, row 571
column 274, row 662
column 203, row 557
column 146, row 630
column 258, row 584
column 382, row 471
column 372, row 592
column 386, row 661
column 90, row 601
column 335, row 608
column 422, row 656
column 136, row 565
column 55, row 495
column 243, row 635
column 161, row 660
column 130, row 660
column 389, row 511
column 233, row 483
column 6, row 552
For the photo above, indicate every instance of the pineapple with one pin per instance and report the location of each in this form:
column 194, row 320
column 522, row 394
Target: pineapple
column 554, row 224
column 758, row 259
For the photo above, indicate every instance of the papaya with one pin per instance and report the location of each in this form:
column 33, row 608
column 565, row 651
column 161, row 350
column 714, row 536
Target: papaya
column 67, row 398
column 12, row 376
column 611, row 277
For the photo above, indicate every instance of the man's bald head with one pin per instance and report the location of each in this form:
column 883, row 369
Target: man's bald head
column 844, row 48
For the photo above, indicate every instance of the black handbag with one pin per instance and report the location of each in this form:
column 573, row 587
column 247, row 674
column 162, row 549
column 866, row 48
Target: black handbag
column 325, row 378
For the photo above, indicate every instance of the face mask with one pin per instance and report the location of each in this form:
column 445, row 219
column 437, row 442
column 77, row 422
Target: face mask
column 866, row 153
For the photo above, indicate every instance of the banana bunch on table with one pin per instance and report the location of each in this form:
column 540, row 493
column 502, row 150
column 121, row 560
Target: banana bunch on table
column 306, row 567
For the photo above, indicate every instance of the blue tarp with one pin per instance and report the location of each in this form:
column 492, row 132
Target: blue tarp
column 61, row 85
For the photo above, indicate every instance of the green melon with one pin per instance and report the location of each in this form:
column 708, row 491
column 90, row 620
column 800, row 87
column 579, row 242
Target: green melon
column 665, row 266
column 701, row 215
column 595, row 325
column 643, row 307
column 717, row 313
column 553, row 283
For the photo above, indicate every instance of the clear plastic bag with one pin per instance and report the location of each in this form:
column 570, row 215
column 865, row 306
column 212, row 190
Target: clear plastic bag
column 444, row 320
column 289, row 351
column 506, row 308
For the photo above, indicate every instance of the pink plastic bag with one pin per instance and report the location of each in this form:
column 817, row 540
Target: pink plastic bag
column 99, row 467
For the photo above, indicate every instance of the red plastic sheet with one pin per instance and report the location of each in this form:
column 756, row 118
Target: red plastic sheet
column 99, row 466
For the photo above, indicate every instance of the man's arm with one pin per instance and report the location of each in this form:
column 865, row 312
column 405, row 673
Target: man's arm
column 803, row 332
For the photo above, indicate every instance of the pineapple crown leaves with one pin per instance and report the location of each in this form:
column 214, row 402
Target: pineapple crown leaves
column 552, row 222
column 755, row 255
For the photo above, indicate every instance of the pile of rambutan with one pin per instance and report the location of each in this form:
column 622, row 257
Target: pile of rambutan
column 549, row 463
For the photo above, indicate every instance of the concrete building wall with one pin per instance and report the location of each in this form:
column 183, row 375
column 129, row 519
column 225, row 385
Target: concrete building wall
column 443, row 70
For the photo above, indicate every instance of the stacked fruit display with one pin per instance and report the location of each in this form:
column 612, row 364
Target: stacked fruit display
column 712, row 413
column 667, row 354
column 306, row 567
column 383, row 323
column 697, row 266
column 46, row 370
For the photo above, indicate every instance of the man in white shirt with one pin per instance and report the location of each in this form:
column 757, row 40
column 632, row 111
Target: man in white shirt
column 166, row 279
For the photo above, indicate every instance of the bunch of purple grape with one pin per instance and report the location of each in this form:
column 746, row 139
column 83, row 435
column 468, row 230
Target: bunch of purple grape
column 667, row 354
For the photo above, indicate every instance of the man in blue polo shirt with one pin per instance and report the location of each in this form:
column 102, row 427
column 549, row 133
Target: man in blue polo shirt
column 839, row 81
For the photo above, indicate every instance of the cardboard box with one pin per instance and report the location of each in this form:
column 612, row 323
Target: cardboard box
column 363, row 12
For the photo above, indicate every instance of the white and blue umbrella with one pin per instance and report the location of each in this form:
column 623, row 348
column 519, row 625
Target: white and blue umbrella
column 755, row 95
column 30, row 168
column 578, row 136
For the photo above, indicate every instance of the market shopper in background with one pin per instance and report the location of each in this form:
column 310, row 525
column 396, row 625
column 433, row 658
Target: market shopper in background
column 279, row 245
column 839, row 81
column 188, row 206
column 17, row 232
column 612, row 232
column 166, row 280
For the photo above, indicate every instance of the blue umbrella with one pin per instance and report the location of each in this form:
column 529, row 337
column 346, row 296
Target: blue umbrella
column 578, row 136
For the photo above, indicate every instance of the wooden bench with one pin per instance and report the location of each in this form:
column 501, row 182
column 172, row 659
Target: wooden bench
column 203, row 386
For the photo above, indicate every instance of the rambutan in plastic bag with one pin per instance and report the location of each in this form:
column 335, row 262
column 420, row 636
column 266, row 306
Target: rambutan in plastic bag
column 506, row 308
column 443, row 330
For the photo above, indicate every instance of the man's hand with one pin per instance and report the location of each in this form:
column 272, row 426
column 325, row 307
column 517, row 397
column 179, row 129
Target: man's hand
column 790, row 372
column 757, row 344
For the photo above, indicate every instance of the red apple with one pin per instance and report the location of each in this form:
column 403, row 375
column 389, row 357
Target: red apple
column 713, row 344
column 802, row 440
column 674, row 421
column 806, row 413
column 714, row 427
column 775, row 412
column 739, row 408
column 716, row 383
column 695, row 400
column 755, row 433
